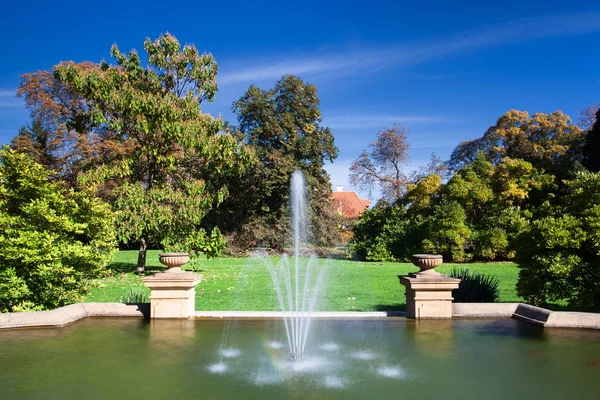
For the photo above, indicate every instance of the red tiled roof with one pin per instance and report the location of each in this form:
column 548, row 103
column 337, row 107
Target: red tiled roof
column 348, row 204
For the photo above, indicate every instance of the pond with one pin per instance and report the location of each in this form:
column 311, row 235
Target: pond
column 345, row 359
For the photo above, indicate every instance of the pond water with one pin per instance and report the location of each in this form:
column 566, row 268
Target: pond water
column 345, row 359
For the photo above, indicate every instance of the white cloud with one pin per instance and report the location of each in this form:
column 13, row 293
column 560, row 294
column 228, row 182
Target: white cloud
column 8, row 98
column 372, row 58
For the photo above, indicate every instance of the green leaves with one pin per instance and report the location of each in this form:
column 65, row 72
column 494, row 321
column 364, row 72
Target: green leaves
column 51, row 239
column 168, row 174
column 559, row 253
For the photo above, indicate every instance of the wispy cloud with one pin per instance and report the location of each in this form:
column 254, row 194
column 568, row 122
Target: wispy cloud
column 8, row 98
column 372, row 59
column 379, row 121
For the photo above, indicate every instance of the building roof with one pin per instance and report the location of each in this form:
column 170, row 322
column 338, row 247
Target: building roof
column 348, row 204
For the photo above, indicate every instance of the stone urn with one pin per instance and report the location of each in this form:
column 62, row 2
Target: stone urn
column 427, row 263
column 174, row 261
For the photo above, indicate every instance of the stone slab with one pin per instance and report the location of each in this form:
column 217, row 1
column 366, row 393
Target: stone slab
column 557, row 319
column 483, row 310
column 316, row 314
column 141, row 310
column 66, row 315
column 54, row 318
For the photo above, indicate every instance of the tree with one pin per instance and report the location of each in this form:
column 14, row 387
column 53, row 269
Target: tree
column 382, row 166
column 61, row 136
column 559, row 252
column 51, row 239
column 588, row 116
column 159, row 195
column 40, row 144
column 591, row 147
column 544, row 140
column 283, row 126
column 478, row 213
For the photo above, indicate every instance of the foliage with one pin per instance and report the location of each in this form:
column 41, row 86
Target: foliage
column 591, row 147
column 446, row 232
column 51, row 239
column 543, row 140
column 587, row 116
column 61, row 137
column 559, row 253
column 135, row 295
column 475, row 287
column 382, row 166
column 282, row 125
column 477, row 214
column 160, row 184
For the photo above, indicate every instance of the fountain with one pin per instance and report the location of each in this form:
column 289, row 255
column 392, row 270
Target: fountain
column 296, row 301
column 227, row 358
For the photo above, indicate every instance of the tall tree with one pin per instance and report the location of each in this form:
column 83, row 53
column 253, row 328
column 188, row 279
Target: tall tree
column 382, row 166
column 588, row 116
column 591, row 148
column 155, row 112
column 283, row 125
column 61, row 137
column 545, row 140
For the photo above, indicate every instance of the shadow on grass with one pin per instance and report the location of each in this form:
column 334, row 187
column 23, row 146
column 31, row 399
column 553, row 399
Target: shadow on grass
column 128, row 268
column 120, row 267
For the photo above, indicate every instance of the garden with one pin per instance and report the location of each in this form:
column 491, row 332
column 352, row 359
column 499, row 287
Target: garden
column 121, row 156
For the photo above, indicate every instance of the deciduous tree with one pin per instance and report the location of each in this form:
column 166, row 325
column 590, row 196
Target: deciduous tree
column 544, row 140
column 155, row 111
column 283, row 126
column 382, row 165
column 591, row 147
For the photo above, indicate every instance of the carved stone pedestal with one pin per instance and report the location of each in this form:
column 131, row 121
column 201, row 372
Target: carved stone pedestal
column 173, row 294
column 428, row 296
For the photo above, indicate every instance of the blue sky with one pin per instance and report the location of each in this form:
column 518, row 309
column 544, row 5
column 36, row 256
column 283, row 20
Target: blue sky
column 444, row 70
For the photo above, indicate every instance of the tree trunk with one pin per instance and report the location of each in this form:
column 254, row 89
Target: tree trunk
column 141, row 264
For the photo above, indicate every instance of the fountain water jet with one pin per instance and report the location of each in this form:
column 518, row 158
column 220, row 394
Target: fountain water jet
column 295, row 300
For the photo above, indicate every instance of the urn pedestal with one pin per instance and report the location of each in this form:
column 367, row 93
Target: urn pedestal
column 173, row 293
column 428, row 293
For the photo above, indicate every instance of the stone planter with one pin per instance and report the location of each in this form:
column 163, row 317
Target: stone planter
column 427, row 263
column 174, row 261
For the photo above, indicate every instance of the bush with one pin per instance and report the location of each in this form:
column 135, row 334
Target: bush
column 559, row 253
column 474, row 287
column 135, row 295
column 51, row 240
column 447, row 233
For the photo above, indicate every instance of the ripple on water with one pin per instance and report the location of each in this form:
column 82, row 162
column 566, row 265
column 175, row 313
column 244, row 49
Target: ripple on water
column 230, row 352
column 334, row 382
column 275, row 345
column 266, row 378
column 391, row 372
column 330, row 346
column 218, row 368
column 307, row 365
column 363, row 355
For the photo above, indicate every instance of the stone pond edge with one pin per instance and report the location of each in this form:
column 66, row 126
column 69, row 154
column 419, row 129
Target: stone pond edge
column 66, row 315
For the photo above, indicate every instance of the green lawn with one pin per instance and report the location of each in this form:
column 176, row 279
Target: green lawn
column 244, row 284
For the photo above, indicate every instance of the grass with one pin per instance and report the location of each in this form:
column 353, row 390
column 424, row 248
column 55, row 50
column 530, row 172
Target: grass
column 244, row 284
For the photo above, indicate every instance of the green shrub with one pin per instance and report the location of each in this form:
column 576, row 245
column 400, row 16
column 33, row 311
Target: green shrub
column 474, row 287
column 559, row 253
column 135, row 295
column 447, row 233
column 51, row 240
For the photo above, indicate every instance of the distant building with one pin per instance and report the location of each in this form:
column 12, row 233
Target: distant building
column 348, row 204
